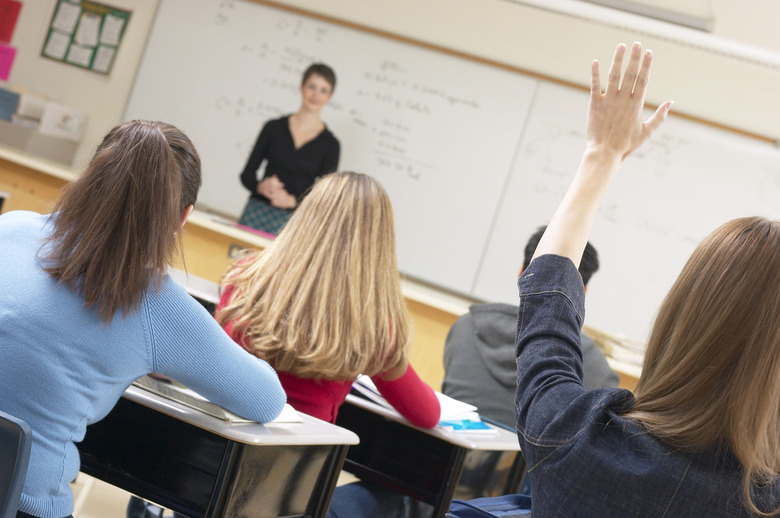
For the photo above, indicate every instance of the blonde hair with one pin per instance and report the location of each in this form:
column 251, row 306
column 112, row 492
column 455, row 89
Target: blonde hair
column 711, row 375
column 324, row 300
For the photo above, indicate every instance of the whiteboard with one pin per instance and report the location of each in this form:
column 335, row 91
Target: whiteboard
column 682, row 184
column 439, row 132
column 474, row 158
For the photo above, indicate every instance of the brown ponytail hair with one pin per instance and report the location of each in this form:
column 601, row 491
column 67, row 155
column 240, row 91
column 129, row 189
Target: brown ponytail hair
column 116, row 226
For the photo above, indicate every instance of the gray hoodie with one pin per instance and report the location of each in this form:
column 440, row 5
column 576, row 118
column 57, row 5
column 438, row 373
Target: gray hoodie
column 479, row 361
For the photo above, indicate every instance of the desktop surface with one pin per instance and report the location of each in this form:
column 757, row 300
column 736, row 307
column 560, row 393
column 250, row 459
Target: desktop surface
column 202, row 466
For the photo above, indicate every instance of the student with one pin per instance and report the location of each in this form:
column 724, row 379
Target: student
column 700, row 435
column 297, row 149
column 323, row 304
column 87, row 306
column 479, row 353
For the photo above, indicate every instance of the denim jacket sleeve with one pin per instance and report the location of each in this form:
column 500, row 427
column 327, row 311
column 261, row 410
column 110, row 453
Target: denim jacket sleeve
column 549, row 357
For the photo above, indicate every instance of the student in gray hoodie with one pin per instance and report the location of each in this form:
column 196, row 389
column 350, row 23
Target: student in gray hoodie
column 479, row 353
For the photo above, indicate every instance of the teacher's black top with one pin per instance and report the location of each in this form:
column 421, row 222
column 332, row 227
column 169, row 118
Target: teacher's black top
column 296, row 168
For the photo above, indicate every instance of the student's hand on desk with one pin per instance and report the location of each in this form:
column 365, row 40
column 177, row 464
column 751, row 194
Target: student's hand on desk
column 615, row 125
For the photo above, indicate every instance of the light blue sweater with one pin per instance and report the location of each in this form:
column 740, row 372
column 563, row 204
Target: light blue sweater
column 61, row 368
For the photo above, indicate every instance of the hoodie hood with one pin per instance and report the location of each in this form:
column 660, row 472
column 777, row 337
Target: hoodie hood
column 496, row 328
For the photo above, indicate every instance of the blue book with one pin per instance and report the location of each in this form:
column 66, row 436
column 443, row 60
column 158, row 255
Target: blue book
column 8, row 102
column 466, row 425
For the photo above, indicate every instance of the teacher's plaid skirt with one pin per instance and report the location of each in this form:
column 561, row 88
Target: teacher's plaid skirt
column 264, row 216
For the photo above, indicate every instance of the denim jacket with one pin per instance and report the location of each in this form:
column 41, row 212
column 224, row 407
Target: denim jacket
column 583, row 458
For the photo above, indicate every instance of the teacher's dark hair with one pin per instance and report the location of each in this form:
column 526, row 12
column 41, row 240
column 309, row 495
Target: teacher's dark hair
column 116, row 227
column 322, row 70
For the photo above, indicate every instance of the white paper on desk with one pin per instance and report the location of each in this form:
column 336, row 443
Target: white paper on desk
column 366, row 387
column 288, row 414
column 188, row 397
column 450, row 408
column 453, row 409
column 63, row 122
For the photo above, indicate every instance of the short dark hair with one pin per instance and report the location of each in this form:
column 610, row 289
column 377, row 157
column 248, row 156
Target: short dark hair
column 322, row 70
column 588, row 265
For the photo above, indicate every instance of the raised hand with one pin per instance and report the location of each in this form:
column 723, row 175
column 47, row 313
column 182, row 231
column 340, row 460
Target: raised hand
column 615, row 124
column 615, row 130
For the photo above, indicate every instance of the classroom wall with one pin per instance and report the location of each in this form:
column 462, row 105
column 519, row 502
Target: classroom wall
column 707, row 85
column 101, row 97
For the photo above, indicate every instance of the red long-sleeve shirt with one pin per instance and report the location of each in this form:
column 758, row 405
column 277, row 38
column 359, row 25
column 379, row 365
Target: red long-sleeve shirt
column 409, row 395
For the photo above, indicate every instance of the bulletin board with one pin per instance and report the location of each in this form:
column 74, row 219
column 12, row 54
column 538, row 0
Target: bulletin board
column 85, row 34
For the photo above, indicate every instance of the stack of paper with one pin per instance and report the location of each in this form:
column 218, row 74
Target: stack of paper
column 181, row 394
column 456, row 415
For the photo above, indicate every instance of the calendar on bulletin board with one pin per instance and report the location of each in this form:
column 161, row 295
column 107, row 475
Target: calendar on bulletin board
column 85, row 34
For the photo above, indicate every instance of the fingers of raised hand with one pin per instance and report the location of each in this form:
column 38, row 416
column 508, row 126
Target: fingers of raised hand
column 629, row 76
column 613, row 80
column 655, row 120
column 650, row 125
column 595, row 80
column 644, row 74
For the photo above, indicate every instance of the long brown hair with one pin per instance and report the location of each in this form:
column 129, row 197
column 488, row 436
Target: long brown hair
column 711, row 375
column 324, row 300
column 116, row 226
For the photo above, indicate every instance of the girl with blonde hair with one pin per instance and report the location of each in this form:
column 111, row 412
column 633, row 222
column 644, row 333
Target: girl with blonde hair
column 323, row 303
column 700, row 435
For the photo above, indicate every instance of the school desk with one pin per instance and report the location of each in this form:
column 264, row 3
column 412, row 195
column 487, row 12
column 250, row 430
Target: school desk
column 203, row 466
column 433, row 465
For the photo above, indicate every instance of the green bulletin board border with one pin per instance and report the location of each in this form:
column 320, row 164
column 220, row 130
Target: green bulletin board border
column 87, row 8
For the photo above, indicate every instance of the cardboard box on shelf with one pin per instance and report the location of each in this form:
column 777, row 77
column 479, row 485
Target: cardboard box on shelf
column 43, row 128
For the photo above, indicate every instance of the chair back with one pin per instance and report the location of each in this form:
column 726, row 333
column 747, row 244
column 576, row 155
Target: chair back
column 15, row 443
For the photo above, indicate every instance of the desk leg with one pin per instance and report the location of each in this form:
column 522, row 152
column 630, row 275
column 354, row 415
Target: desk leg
column 320, row 500
column 227, row 470
column 403, row 458
column 454, row 470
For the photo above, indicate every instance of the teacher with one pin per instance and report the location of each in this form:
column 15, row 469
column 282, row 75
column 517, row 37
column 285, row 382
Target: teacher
column 297, row 149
